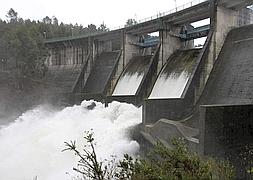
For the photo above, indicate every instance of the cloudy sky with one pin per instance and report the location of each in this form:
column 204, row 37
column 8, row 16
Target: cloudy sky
column 112, row 12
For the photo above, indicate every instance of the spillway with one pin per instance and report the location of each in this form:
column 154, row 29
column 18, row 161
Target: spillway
column 128, row 84
column 132, row 76
column 31, row 146
column 61, row 78
column 231, row 80
column 175, row 74
column 101, row 73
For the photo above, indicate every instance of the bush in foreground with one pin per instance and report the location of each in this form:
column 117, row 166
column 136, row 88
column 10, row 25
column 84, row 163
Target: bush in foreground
column 161, row 164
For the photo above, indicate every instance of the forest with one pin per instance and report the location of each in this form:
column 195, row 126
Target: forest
column 22, row 57
column 22, row 40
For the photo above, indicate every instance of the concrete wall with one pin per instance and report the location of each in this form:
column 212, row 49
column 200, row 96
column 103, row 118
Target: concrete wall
column 71, row 53
column 67, row 54
column 231, row 80
column 101, row 46
column 130, row 49
column 166, row 130
column 222, row 21
column 226, row 19
column 225, row 131
column 173, row 109
column 176, row 108
column 121, row 65
column 245, row 17
column 198, row 80
column 169, row 44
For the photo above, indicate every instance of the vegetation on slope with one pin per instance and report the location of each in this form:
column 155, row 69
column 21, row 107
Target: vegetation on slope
column 161, row 164
column 22, row 41
column 22, row 57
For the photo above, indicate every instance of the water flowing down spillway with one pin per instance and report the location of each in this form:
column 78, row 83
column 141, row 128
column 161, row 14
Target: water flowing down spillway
column 171, row 86
column 132, row 77
column 175, row 75
column 128, row 85
column 31, row 146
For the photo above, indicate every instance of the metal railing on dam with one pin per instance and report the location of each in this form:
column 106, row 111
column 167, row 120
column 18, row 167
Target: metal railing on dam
column 158, row 15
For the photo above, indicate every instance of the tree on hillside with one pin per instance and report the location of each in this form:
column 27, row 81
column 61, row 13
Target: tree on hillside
column 91, row 28
column 55, row 21
column 12, row 15
column 47, row 20
column 22, row 41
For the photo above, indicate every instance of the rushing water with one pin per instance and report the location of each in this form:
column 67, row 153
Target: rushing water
column 128, row 84
column 171, row 86
column 31, row 146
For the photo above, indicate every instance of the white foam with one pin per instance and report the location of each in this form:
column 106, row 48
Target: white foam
column 31, row 146
column 128, row 84
column 169, row 87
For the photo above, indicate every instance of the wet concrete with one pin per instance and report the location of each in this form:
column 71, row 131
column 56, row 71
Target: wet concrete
column 175, row 75
column 231, row 80
column 101, row 72
column 158, row 107
column 61, row 79
column 132, row 76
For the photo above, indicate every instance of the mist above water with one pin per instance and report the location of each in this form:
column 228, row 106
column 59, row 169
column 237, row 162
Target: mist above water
column 31, row 146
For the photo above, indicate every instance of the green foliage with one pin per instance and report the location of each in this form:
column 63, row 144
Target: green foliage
column 12, row 15
column 247, row 158
column 221, row 170
column 161, row 164
column 22, row 43
column 177, row 163
column 250, row 170
column 103, row 28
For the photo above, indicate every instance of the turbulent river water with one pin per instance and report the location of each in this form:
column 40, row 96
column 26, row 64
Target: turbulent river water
column 31, row 146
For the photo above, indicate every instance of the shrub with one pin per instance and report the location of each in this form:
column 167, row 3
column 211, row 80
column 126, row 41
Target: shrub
column 161, row 163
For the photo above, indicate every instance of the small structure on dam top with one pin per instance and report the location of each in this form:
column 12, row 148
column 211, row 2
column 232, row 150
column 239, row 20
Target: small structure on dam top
column 201, row 94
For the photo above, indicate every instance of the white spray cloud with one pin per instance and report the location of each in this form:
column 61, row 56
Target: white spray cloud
column 31, row 146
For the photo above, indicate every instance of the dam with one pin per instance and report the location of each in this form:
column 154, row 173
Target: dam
column 203, row 94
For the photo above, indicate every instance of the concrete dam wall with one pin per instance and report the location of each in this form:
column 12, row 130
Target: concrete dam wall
column 137, row 79
column 203, row 95
column 61, row 79
column 164, row 102
column 231, row 80
column 224, row 122
column 226, row 116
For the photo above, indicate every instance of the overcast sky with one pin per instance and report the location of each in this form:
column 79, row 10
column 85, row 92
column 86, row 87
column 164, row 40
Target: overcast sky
column 112, row 12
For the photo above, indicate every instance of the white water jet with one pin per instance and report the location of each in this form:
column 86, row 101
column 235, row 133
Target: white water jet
column 31, row 146
column 169, row 87
column 128, row 84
